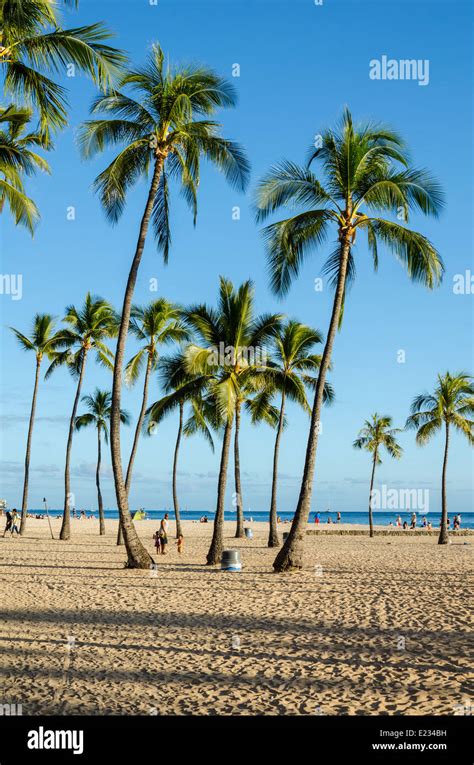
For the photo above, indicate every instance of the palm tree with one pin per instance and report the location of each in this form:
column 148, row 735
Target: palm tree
column 17, row 159
column 98, row 415
column 289, row 371
column 43, row 341
column 157, row 324
column 202, row 419
column 375, row 434
column 232, row 352
column 365, row 171
column 163, row 131
column 33, row 44
column 451, row 404
column 88, row 327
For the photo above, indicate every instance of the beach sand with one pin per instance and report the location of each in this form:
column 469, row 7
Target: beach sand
column 375, row 626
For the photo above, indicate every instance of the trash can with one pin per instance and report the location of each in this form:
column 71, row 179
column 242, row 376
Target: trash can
column 230, row 560
column 248, row 532
column 285, row 536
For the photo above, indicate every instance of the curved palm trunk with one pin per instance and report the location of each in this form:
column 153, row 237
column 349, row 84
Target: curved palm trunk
column 137, row 555
column 443, row 534
column 175, row 471
column 65, row 533
column 291, row 554
column 24, row 501
column 239, row 532
column 371, row 520
column 217, row 544
column 273, row 540
column 97, row 483
column 138, row 429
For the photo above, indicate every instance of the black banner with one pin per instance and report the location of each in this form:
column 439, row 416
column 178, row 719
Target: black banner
column 128, row 739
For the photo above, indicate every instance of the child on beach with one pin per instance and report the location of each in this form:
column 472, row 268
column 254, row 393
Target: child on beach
column 157, row 538
column 180, row 543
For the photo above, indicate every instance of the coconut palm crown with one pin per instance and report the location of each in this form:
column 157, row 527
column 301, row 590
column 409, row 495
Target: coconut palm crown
column 18, row 159
column 33, row 44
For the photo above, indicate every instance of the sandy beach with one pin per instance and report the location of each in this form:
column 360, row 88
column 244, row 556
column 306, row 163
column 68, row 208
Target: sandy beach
column 371, row 627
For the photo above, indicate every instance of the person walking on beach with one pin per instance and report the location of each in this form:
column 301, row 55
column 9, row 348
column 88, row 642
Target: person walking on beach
column 316, row 518
column 8, row 524
column 14, row 527
column 164, row 533
column 413, row 521
column 338, row 518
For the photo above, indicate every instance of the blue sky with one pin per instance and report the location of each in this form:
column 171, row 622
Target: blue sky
column 300, row 64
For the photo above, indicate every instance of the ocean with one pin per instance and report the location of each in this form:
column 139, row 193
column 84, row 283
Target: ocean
column 381, row 517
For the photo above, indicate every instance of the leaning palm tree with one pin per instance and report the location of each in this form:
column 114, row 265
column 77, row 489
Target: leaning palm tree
column 377, row 433
column 167, row 131
column 365, row 173
column 203, row 418
column 292, row 367
column 33, row 44
column 88, row 327
column 43, row 341
column 18, row 159
column 98, row 416
column 450, row 405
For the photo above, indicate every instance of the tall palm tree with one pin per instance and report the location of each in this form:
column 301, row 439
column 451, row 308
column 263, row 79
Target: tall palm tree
column 88, row 327
column 18, row 159
column 376, row 434
column 290, row 370
column 233, row 340
column 33, row 44
column 43, row 341
column 365, row 172
column 451, row 404
column 161, row 131
column 98, row 415
column 202, row 419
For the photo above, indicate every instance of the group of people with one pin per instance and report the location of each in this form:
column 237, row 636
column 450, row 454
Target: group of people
column 161, row 537
column 81, row 515
column 425, row 524
column 317, row 518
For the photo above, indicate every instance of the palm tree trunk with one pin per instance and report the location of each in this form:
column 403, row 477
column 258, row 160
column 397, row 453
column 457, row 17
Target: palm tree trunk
column 443, row 533
column 136, row 438
column 371, row 520
column 24, row 501
column 97, row 481
column 217, row 544
column 291, row 554
column 273, row 540
column 65, row 533
column 239, row 532
column 137, row 555
column 175, row 471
